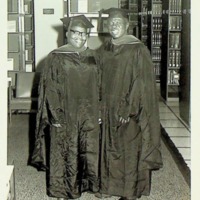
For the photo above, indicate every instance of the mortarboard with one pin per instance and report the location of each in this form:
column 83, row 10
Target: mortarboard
column 79, row 20
column 117, row 12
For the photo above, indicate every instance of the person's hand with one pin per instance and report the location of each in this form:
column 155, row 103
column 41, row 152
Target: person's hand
column 57, row 125
column 124, row 121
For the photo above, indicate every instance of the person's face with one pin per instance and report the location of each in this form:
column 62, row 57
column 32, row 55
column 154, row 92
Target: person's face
column 77, row 36
column 117, row 27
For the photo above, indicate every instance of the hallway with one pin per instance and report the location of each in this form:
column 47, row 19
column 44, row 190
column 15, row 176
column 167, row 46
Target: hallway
column 171, row 182
column 176, row 129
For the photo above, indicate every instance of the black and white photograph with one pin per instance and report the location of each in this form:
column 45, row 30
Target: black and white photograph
column 99, row 100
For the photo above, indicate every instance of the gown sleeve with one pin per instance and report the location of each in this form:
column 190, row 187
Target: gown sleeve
column 49, row 111
column 38, row 154
column 55, row 94
column 141, row 102
column 149, row 114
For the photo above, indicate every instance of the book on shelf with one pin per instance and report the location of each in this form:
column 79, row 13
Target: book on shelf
column 170, row 59
column 175, row 6
column 157, row 23
column 173, row 77
column 157, row 68
column 178, row 59
column 157, row 9
column 175, row 40
column 157, row 38
column 156, row 54
column 174, row 59
column 175, row 22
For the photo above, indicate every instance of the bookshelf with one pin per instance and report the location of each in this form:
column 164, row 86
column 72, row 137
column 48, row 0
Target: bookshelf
column 29, row 35
column 150, row 30
column 185, row 74
column 133, row 18
column 15, row 36
column 156, row 36
column 20, row 35
column 143, row 20
column 171, row 49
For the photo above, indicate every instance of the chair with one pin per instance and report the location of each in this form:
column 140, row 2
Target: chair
column 23, row 95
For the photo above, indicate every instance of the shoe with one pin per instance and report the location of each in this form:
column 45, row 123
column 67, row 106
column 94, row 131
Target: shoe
column 125, row 198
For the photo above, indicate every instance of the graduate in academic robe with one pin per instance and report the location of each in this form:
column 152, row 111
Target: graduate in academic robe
column 131, row 146
column 68, row 116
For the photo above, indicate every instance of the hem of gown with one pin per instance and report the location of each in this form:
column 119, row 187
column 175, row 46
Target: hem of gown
column 118, row 188
column 62, row 192
column 130, row 189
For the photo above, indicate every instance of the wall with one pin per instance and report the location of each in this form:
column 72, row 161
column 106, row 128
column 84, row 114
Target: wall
column 5, row 170
column 3, row 84
column 195, row 98
column 48, row 29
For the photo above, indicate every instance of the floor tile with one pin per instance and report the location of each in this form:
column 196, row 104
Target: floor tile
column 162, row 104
column 181, row 141
column 175, row 109
column 177, row 132
column 171, row 123
column 177, row 114
column 185, row 152
column 172, row 103
column 164, row 109
column 167, row 115
column 188, row 163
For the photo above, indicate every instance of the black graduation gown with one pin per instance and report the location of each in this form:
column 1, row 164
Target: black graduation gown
column 69, row 96
column 129, row 151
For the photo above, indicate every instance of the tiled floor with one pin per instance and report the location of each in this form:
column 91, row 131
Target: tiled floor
column 168, row 183
column 176, row 129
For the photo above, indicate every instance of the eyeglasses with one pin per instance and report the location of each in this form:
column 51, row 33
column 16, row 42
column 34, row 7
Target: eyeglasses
column 78, row 33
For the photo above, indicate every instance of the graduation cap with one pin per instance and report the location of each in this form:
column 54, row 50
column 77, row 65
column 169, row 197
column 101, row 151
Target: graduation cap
column 79, row 20
column 117, row 12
